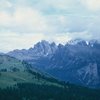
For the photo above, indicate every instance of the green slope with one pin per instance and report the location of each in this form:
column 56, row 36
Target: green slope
column 10, row 64
column 13, row 71
column 19, row 82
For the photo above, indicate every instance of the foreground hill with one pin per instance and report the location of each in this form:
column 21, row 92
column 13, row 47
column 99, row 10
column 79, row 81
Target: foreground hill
column 18, row 81
column 77, row 61
column 13, row 71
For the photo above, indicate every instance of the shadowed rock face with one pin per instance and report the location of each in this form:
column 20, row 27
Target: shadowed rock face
column 78, row 61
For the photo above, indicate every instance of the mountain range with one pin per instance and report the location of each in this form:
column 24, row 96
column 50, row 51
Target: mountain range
column 77, row 61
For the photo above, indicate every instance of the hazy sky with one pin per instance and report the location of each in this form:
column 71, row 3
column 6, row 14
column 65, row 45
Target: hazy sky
column 24, row 22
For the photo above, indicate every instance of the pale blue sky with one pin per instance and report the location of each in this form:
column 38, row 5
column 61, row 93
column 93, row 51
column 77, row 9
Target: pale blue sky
column 24, row 22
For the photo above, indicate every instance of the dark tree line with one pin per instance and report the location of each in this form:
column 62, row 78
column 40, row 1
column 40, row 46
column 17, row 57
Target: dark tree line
column 45, row 92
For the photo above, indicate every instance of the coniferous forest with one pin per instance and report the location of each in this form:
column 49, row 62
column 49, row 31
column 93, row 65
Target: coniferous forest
column 44, row 92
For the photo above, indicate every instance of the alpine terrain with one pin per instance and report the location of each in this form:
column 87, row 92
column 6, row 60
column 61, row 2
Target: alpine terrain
column 78, row 61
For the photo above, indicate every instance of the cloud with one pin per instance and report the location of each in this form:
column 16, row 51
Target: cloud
column 28, row 21
column 23, row 19
column 93, row 5
column 58, row 4
column 61, row 38
column 57, row 24
column 58, row 38
column 10, row 40
column 5, row 4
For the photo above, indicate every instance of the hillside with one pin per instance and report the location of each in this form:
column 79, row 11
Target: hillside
column 19, row 81
column 13, row 71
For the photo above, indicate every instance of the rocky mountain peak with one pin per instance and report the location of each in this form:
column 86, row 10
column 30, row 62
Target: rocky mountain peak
column 78, row 61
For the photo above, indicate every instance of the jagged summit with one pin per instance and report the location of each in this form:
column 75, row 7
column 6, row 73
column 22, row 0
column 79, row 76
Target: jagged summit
column 43, row 48
column 43, row 44
column 83, row 42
